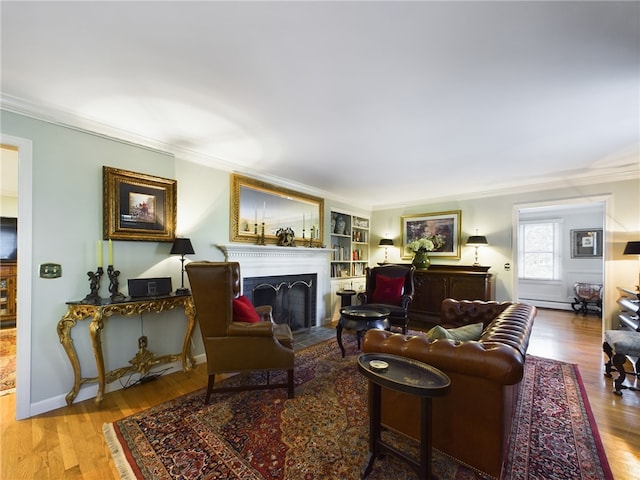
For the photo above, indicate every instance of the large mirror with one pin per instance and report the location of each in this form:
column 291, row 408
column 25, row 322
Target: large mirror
column 254, row 202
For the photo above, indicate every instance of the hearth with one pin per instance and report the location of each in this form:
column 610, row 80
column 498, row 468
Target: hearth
column 292, row 297
column 272, row 261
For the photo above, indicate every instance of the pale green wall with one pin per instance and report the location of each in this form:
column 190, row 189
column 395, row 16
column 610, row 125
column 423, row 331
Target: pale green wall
column 494, row 217
column 8, row 206
column 67, row 222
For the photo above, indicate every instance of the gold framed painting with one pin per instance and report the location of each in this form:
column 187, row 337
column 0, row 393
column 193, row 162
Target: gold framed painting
column 444, row 225
column 137, row 206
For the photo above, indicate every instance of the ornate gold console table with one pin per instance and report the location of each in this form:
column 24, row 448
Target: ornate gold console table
column 144, row 359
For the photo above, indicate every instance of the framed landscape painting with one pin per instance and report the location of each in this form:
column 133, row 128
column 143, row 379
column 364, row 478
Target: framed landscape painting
column 446, row 225
column 137, row 206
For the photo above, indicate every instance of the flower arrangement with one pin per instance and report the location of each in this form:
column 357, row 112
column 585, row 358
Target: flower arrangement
column 426, row 244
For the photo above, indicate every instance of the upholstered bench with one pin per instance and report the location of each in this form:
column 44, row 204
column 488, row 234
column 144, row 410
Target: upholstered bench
column 618, row 345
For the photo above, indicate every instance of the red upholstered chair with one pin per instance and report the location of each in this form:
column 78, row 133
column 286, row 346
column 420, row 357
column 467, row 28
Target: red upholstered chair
column 390, row 286
column 237, row 337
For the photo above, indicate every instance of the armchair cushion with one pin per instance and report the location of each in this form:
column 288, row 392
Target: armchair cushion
column 244, row 311
column 388, row 290
column 472, row 331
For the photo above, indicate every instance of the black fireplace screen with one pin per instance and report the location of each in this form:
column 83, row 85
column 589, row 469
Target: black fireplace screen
column 292, row 297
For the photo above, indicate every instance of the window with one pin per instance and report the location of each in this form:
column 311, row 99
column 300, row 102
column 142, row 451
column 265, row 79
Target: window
column 539, row 250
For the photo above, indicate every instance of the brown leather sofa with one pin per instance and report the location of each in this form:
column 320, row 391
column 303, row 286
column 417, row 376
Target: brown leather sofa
column 472, row 423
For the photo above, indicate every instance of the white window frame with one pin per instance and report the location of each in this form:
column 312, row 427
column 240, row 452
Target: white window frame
column 556, row 252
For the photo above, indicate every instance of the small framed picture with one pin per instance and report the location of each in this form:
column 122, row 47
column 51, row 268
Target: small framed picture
column 586, row 243
column 138, row 206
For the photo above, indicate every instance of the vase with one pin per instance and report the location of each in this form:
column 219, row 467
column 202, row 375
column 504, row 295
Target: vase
column 421, row 260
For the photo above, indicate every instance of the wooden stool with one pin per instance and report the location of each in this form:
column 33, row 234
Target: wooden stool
column 618, row 345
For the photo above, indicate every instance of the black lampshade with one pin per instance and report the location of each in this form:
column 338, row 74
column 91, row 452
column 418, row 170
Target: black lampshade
column 477, row 241
column 632, row 248
column 385, row 242
column 182, row 246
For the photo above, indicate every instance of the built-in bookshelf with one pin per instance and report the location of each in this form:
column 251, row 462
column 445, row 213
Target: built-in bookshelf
column 350, row 244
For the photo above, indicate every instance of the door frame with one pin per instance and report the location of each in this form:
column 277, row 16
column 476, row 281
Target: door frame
column 25, row 262
column 606, row 199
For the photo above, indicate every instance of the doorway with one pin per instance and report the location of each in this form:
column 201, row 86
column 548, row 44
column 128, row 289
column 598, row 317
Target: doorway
column 24, row 150
column 548, row 269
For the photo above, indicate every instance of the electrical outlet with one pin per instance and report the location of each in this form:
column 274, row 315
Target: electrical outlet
column 50, row 270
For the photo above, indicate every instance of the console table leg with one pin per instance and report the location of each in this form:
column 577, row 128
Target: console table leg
column 95, row 332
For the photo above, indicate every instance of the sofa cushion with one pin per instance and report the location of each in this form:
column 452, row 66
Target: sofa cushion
column 243, row 311
column 472, row 331
column 388, row 290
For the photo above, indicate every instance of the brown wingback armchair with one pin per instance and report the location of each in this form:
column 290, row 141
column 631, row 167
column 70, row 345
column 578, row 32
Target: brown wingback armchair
column 236, row 346
column 390, row 286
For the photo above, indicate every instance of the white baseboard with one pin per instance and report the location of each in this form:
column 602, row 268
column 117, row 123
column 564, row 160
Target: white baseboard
column 90, row 391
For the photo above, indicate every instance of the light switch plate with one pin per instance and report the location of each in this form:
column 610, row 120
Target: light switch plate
column 50, row 270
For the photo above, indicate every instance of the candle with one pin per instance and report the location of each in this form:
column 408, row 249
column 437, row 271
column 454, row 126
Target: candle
column 264, row 209
column 99, row 252
column 255, row 216
column 302, row 220
column 110, row 252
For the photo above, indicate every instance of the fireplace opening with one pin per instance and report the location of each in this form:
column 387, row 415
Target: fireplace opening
column 292, row 297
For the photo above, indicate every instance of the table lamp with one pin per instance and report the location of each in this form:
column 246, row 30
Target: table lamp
column 633, row 248
column 182, row 246
column 386, row 243
column 477, row 241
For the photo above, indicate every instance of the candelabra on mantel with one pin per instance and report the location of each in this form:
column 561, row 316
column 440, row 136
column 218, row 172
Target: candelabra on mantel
column 261, row 239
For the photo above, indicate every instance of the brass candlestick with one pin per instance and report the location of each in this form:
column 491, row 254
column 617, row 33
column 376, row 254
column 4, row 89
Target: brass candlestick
column 261, row 240
column 93, row 297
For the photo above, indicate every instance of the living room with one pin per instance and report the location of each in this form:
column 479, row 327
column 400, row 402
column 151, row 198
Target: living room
column 60, row 206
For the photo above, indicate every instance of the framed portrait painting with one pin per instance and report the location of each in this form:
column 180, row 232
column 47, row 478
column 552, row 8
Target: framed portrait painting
column 444, row 225
column 586, row 243
column 137, row 206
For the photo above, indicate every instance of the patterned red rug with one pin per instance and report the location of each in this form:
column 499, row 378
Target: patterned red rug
column 323, row 432
column 7, row 360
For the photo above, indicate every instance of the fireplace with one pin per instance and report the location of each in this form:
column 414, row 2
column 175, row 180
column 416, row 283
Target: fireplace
column 269, row 261
column 292, row 297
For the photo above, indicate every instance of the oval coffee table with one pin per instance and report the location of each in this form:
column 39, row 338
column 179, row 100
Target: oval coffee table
column 361, row 318
column 408, row 376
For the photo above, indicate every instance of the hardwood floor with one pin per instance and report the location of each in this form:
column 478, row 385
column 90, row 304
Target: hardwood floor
column 68, row 443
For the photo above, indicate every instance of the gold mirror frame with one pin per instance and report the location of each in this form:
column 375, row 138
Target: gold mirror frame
column 254, row 202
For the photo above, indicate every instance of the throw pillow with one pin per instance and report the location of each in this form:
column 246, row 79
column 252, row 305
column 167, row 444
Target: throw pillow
column 473, row 331
column 388, row 290
column 243, row 311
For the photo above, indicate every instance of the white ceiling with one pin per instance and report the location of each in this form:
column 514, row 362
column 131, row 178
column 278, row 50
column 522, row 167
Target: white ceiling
column 383, row 103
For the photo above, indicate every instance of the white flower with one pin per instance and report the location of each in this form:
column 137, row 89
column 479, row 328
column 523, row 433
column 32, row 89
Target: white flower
column 425, row 244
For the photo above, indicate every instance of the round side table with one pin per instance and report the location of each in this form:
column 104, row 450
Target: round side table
column 408, row 376
column 361, row 318
column 345, row 297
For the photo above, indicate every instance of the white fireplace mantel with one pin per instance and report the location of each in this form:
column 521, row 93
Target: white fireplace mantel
column 271, row 260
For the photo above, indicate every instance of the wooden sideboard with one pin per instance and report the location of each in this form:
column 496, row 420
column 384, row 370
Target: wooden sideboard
column 629, row 302
column 8, row 285
column 433, row 285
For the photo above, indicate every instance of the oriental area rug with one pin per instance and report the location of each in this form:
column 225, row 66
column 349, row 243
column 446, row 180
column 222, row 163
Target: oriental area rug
column 323, row 433
column 7, row 360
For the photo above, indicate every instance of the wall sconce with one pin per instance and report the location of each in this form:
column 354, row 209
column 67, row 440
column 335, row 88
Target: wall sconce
column 182, row 246
column 477, row 241
column 633, row 248
column 386, row 243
